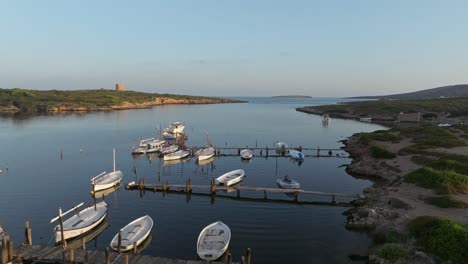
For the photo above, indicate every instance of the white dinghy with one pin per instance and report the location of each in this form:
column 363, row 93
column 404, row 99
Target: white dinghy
column 80, row 223
column 246, row 154
column 132, row 234
column 296, row 154
column 287, row 183
column 231, row 178
column 213, row 241
column 107, row 180
column 177, row 155
column 205, row 153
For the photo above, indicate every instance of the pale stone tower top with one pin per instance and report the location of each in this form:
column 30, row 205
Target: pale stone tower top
column 120, row 87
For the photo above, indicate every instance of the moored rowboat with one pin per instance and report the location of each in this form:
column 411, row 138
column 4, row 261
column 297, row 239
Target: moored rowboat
column 213, row 241
column 132, row 234
column 231, row 178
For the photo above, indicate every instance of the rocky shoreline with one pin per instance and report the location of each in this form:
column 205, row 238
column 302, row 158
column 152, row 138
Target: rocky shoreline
column 127, row 105
column 390, row 203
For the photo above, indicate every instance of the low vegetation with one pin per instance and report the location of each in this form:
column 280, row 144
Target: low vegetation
column 445, row 201
column 392, row 108
column 443, row 181
column 381, row 153
column 393, row 252
column 444, row 238
column 45, row 101
column 431, row 137
column 379, row 135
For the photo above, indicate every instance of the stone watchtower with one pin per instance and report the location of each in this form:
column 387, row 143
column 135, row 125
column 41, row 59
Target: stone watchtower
column 120, row 87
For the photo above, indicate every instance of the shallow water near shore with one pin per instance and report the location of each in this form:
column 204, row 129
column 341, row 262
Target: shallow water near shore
column 51, row 159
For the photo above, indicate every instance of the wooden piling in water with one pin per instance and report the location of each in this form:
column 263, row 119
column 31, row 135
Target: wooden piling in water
column 11, row 249
column 229, row 259
column 135, row 248
column 83, row 244
column 5, row 249
column 248, row 253
column 107, row 255
column 212, row 186
column 243, row 260
column 27, row 233
column 72, row 255
column 126, row 258
column 119, row 242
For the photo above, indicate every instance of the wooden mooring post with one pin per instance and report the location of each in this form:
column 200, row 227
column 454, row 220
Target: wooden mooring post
column 107, row 255
column 5, row 248
column 27, row 233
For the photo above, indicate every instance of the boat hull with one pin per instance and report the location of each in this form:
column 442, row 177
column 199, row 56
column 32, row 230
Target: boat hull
column 288, row 185
column 72, row 233
column 246, row 154
column 231, row 178
column 213, row 254
column 139, row 239
column 296, row 155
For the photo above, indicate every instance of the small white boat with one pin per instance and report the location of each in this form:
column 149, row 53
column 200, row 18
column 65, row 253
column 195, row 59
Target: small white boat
column 107, row 180
column 287, row 183
column 365, row 119
column 204, row 162
column 135, row 232
column 2, row 234
column 80, row 223
column 177, row 155
column 246, row 154
column 213, row 241
column 169, row 149
column 205, row 153
column 175, row 128
column 282, row 148
column 296, row 154
column 231, row 178
column 167, row 135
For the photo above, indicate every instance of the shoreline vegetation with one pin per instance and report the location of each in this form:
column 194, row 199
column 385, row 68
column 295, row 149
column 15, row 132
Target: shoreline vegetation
column 416, row 209
column 13, row 101
column 291, row 96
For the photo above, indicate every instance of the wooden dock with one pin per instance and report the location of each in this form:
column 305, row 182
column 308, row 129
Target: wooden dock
column 40, row 254
column 212, row 189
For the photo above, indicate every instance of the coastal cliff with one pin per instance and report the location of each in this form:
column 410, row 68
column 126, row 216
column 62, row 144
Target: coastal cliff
column 55, row 101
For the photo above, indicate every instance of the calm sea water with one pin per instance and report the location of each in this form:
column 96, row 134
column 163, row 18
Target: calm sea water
column 39, row 180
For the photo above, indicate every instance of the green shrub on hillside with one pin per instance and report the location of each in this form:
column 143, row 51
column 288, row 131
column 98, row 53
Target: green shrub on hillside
column 381, row 153
column 444, row 238
column 443, row 181
column 445, row 201
column 393, row 252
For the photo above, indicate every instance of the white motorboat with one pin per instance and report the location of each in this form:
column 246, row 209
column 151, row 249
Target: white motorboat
column 80, row 223
column 287, row 183
column 296, row 154
column 168, row 135
column 175, row 128
column 205, row 153
column 177, row 155
column 246, row 154
column 135, row 232
column 107, row 180
column 213, row 241
column 365, row 119
column 150, row 145
column 231, row 178
column 169, row 149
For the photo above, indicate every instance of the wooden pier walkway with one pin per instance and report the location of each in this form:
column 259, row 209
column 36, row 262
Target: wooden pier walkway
column 212, row 189
column 43, row 254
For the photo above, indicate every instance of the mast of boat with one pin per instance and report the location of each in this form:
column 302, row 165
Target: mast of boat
column 114, row 158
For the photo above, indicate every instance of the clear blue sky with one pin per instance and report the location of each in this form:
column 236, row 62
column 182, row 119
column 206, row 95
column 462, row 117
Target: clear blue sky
column 242, row 47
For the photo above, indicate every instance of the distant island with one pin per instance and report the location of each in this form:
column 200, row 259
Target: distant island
column 291, row 96
column 451, row 91
column 53, row 101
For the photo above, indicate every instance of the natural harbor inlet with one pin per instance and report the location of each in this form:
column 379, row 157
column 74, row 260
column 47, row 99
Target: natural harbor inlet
column 233, row 132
